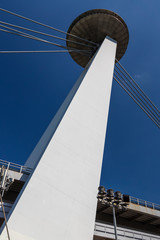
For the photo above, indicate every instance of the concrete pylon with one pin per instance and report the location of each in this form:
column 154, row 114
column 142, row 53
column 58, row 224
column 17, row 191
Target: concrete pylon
column 59, row 200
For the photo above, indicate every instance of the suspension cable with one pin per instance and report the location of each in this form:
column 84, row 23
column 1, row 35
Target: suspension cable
column 137, row 95
column 16, row 32
column 46, row 34
column 137, row 99
column 42, row 51
column 45, row 25
column 120, row 82
column 137, row 86
column 125, row 77
column 4, row 217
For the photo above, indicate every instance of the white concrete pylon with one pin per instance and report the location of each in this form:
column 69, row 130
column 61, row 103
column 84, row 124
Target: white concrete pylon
column 59, row 200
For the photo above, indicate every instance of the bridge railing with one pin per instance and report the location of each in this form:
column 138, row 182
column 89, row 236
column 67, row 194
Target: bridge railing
column 15, row 167
column 7, row 207
column 107, row 231
column 144, row 203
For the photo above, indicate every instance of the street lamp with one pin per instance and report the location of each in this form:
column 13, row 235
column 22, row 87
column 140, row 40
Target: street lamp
column 114, row 199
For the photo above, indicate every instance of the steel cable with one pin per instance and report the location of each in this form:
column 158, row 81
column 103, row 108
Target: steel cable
column 137, row 86
column 144, row 96
column 41, row 51
column 144, row 103
column 120, row 82
column 19, row 33
column 4, row 217
column 46, row 34
column 45, row 25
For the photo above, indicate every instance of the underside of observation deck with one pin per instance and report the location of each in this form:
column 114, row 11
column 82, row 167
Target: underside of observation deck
column 94, row 26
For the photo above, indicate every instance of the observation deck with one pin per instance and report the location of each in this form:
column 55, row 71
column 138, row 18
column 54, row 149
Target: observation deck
column 93, row 26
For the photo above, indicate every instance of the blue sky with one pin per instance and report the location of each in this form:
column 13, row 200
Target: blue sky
column 33, row 86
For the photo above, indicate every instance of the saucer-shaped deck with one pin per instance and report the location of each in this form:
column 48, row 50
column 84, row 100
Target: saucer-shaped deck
column 94, row 26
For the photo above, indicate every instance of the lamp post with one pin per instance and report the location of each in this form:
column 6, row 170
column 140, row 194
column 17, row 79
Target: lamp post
column 114, row 221
column 115, row 200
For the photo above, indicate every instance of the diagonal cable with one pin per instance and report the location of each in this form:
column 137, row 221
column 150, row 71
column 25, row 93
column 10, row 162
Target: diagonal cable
column 41, row 51
column 46, row 34
column 19, row 33
column 143, row 102
column 135, row 100
column 45, row 25
column 141, row 92
column 128, row 91
column 138, row 100
column 142, row 95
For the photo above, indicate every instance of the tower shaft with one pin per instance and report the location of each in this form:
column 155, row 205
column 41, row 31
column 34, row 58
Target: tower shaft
column 59, row 200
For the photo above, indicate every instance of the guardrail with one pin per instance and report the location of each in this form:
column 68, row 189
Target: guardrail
column 15, row 167
column 144, row 203
column 107, row 231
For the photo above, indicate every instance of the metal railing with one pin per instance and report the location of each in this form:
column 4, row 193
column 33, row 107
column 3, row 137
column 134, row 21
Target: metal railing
column 15, row 167
column 7, row 207
column 144, row 203
column 106, row 230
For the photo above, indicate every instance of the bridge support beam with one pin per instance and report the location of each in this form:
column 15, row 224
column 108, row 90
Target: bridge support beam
column 59, row 200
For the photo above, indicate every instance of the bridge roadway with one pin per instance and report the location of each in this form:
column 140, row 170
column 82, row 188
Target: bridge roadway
column 140, row 216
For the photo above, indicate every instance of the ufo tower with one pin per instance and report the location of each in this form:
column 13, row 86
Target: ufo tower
column 58, row 201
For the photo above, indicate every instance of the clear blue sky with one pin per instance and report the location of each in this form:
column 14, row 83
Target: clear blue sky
column 33, row 86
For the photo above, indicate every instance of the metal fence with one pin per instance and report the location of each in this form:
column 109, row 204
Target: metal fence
column 107, row 231
column 7, row 207
column 144, row 203
column 15, row 167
